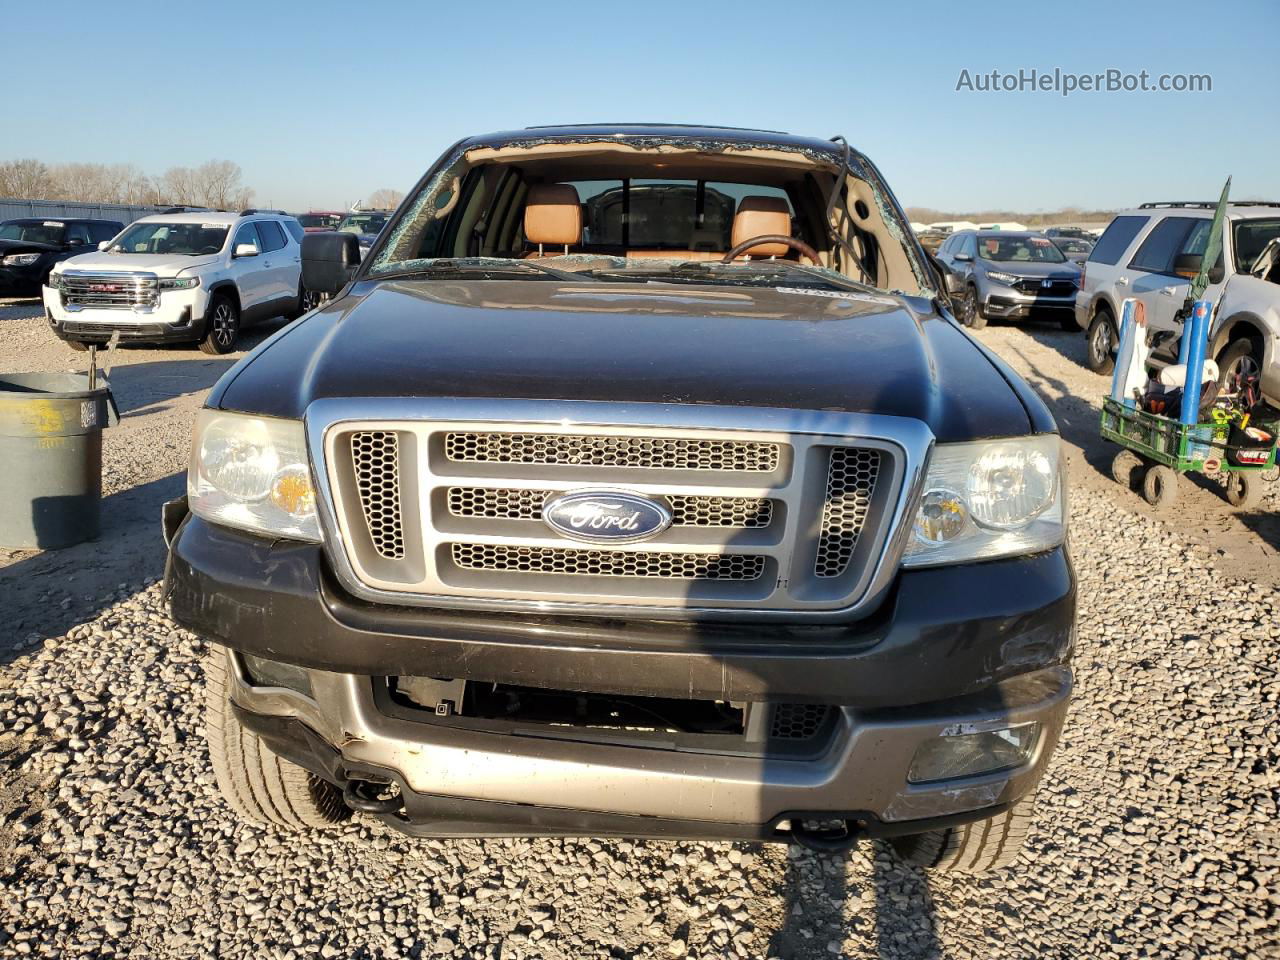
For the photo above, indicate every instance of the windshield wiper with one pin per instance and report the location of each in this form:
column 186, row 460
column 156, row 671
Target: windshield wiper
column 449, row 267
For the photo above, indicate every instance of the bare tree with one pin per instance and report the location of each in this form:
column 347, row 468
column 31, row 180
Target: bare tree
column 218, row 184
column 384, row 199
column 24, row 178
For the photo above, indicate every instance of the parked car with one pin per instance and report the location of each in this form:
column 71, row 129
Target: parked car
column 530, row 533
column 1077, row 251
column 317, row 221
column 931, row 240
column 1152, row 253
column 366, row 225
column 196, row 277
column 1070, row 233
column 1008, row 275
column 29, row 247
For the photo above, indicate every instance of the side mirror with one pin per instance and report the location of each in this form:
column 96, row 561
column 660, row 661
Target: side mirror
column 1217, row 272
column 75, row 241
column 245, row 250
column 1188, row 265
column 963, row 258
column 329, row 260
column 104, row 245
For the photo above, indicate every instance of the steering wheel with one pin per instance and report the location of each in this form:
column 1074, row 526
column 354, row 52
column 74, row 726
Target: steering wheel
column 799, row 246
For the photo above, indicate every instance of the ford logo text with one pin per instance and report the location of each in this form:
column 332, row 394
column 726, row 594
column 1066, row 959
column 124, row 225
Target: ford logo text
column 606, row 517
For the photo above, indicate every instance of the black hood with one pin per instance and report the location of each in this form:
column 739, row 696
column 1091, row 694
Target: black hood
column 27, row 246
column 663, row 343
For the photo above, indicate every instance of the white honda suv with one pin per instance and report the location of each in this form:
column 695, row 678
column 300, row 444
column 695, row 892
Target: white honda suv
column 198, row 277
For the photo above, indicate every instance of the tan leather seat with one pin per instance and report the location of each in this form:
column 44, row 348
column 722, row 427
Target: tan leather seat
column 759, row 216
column 552, row 216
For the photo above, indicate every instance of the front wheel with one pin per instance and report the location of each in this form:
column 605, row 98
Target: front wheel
column 1101, row 343
column 972, row 847
column 223, row 327
column 257, row 785
column 1238, row 362
column 1160, row 485
column 971, row 314
column 1244, row 490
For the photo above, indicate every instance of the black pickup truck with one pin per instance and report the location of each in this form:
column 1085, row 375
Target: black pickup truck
column 638, row 482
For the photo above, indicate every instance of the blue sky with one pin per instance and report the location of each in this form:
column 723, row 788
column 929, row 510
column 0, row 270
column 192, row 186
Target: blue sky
column 322, row 102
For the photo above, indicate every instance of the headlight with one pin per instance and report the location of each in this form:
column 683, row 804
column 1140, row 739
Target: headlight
column 999, row 277
column 990, row 499
column 252, row 473
column 179, row 283
column 21, row 259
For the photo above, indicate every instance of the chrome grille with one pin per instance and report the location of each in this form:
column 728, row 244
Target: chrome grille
column 438, row 502
column 506, row 503
column 851, row 479
column 375, row 457
column 651, row 453
column 608, row 563
column 113, row 290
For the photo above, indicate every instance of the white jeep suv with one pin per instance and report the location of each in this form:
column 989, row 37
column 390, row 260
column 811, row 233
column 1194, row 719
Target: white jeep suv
column 181, row 276
column 1152, row 253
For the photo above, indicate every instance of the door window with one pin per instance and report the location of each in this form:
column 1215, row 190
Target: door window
column 247, row 234
column 1162, row 245
column 103, row 231
column 969, row 245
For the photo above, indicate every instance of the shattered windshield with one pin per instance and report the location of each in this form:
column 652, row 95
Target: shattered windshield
column 810, row 216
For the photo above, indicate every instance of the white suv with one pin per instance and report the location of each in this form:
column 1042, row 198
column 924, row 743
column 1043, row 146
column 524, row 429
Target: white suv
column 181, row 276
column 1152, row 253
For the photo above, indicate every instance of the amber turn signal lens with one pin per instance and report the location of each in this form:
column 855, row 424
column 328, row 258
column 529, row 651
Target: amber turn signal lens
column 291, row 491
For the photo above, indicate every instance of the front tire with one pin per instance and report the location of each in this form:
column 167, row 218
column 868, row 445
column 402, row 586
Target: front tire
column 1244, row 490
column 1238, row 358
column 257, row 785
column 972, row 847
column 223, row 326
column 971, row 309
column 1101, row 341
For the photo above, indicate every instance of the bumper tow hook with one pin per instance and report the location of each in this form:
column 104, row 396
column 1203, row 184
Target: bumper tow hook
column 369, row 797
column 826, row 837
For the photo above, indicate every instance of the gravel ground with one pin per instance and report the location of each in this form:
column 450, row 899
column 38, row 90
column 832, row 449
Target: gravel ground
column 1156, row 834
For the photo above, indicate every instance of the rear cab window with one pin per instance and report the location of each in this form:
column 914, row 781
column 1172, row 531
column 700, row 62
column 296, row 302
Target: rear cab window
column 1116, row 238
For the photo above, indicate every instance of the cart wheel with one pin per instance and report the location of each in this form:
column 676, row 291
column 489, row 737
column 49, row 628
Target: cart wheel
column 1124, row 468
column 1160, row 485
column 1244, row 490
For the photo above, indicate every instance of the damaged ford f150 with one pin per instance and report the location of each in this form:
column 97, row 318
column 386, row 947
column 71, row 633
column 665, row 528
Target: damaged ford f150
column 637, row 483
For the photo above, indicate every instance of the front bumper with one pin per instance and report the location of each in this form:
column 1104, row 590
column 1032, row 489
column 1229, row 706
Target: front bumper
column 966, row 647
column 458, row 782
column 179, row 317
column 1008, row 302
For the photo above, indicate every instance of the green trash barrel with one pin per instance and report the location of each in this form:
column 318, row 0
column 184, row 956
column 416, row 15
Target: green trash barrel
column 51, row 458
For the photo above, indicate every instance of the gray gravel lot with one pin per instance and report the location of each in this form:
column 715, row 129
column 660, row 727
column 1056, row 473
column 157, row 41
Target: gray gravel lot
column 1156, row 834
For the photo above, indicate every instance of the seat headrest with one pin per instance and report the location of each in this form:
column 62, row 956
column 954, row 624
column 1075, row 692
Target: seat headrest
column 758, row 217
column 553, row 214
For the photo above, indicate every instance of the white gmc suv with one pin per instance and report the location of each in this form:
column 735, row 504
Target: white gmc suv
column 181, row 276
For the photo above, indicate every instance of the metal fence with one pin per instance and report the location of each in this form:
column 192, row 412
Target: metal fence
column 12, row 208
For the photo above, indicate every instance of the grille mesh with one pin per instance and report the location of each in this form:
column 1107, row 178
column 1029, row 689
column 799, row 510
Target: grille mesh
column 504, row 503
column 797, row 721
column 851, row 477
column 608, row 563
column 375, row 456
column 652, row 453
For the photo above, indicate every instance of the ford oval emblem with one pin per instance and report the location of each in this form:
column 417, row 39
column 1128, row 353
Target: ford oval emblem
column 602, row 516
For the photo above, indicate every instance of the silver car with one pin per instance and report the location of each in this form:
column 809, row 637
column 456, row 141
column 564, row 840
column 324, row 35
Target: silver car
column 994, row 274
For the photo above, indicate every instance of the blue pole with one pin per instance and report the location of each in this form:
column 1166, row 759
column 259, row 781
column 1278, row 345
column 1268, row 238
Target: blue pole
column 1195, row 334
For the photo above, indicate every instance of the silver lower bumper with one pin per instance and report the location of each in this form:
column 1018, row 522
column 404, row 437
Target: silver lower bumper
column 864, row 768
